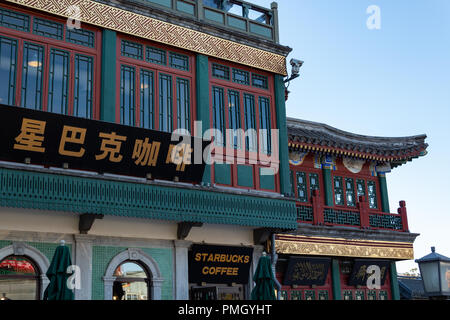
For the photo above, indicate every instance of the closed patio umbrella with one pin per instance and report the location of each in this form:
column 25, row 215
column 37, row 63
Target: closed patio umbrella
column 57, row 289
column 265, row 282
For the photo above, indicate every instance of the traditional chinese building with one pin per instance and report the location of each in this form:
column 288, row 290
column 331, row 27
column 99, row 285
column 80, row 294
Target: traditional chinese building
column 90, row 93
column 345, row 225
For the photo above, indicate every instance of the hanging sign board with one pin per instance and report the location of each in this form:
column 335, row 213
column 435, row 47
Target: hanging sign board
column 51, row 139
column 306, row 271
column 360, row 272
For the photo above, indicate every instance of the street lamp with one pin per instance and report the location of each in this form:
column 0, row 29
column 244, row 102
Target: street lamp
column 435, row 271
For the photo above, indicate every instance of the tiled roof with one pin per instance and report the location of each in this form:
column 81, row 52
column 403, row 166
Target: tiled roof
column 319, row 137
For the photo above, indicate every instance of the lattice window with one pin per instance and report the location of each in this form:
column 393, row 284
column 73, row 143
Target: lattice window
column 48, row 28
column 156, row 55
column 147, row 99
column 58, row 81
column 383, row 295
column 338, row 191
column 14, row 20
column 165, row 102
column 313, row 182
column 372, row 194
column 234, row 118
column 32, row 76
column 323, row 295
column 80, row 36
column 301, row 187
column 360, row 187
column 347, row 294
column 310, row 295
column 296, row 295
column 359, row 295
column 260, row 81
column 371, row 295
column 179, row 61
column 8, row 66
column 221, row 72
column 218, row 106
column 241, row 77
column 250, row 122
column 183, row 104
column 127, row 95
column 283, row 295
column 132, row 50
column 350, row 192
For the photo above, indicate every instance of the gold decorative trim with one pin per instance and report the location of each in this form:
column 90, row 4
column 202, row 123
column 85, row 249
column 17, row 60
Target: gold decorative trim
column 344, row 247
column 120, row 20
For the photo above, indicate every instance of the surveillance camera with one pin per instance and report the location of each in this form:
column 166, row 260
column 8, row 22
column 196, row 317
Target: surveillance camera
column 296, row 64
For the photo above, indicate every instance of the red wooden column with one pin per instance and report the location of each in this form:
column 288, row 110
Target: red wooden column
column 402, row 212
column 317, row 208
column 363, row 207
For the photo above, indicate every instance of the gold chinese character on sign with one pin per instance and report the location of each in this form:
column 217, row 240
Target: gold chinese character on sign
column 72, row 135
column 180, row 155
column 111, row 145
column 31, row 136
column 145, row 153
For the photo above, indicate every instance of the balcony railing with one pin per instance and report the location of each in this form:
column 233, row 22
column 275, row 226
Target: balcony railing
column 235, row 14
column 361, row 217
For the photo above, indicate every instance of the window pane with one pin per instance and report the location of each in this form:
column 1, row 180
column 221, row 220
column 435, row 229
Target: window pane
column 165, row 103
column 156, row 55
column 372, row 194
column 264, row 125
column 127, row 95
column 302, row 187
column 130, row 270
column 350, row 192
column 179, row 61
column 241, row 77
column 17, row 265
column 58, row 81
column 221, row 72
column 81, row 37
column 338, row 191
column 47, row 28
column 33, row 63
column 259, row 81
column 219, row 114
column 183, row 104
column 8, row 63
column 83, row 86
column 234, row 118
column 14, row 20
column 313, row 182
column 132, row 50
column 360, row 188
column 250, row 123
column 147, row 102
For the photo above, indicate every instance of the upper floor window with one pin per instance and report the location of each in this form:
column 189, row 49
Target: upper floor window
column 155, row 87
column 353, row 189
column 57, row 75
column 306, row 183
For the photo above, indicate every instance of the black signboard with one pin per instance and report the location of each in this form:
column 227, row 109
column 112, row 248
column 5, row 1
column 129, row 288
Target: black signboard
column 306, row 271
column 51, row 139
column 219, row 264
column 360, row 273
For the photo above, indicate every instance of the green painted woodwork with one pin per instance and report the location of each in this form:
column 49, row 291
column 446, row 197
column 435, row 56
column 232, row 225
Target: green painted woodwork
column 266, row 181
column 383, row 193
column 261, row 30
column 222, row 173
column 203, row 111
column 45, row 191
column 395, row 290
column 245, row 176
column 280, row 107
column 336, row 279
column 108, row 77
column 102, row 255
column 327, row 186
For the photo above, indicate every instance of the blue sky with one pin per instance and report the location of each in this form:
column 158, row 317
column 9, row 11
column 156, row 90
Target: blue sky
column 389, row 82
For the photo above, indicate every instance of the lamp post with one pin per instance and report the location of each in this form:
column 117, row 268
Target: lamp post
column 435, row 271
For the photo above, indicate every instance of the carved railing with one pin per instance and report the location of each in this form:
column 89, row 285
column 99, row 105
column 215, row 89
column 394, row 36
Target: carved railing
column 316, row 213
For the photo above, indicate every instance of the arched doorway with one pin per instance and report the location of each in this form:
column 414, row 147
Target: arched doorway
column 19, row 279
column 132, row 282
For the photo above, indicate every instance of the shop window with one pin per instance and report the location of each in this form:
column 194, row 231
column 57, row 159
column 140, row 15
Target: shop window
column 241, row 77
column 147, row 99
column 58, row 81
column 32, row 75
column 371, row 295
column 259, row 81
column 49, row 29
column 359, row 295
column 338, row 191
column 220, row 71
column 81, row 37
column 8, row 65
column 265, row 126
column 296, row 295
column 132, row 50
column 283, row 295
column 131, row 283
column 19, row 279
column 14, row 20
column 310, row 295
column 302, row 187
column 372, row 194
column 179, row 61
column 348, row 295
column 383, row 295
column 155, row 55
column 350, row 192
column 183, row 104
column 323, row 295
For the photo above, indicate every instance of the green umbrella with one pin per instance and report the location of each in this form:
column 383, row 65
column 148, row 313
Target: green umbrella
column 265, row 282
column 57, row 274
